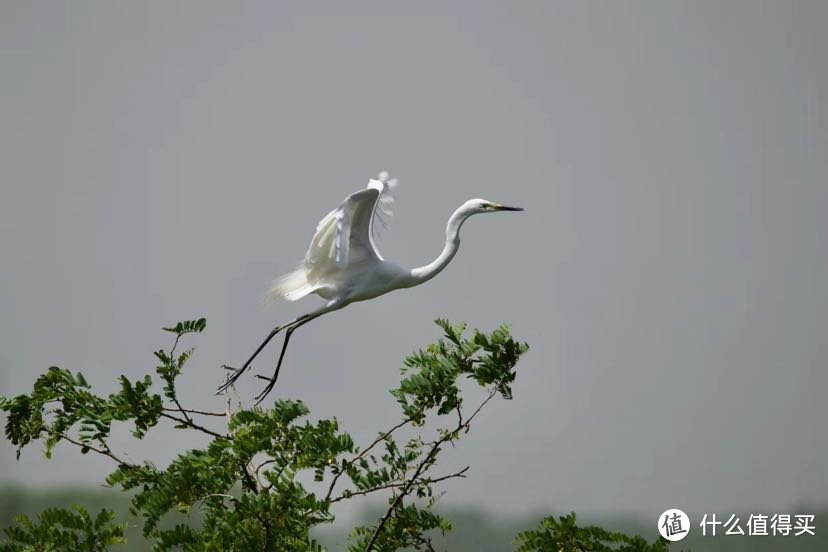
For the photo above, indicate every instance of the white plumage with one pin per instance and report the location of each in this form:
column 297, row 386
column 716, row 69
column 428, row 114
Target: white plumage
column 345, row 235
column 343, row 264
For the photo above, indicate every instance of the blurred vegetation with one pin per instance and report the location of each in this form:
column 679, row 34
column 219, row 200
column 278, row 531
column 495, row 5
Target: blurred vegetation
column 474, row 529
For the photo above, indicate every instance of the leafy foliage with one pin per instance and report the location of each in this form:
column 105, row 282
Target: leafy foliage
column 64, row 530
column 564, row 534
column 247, row 484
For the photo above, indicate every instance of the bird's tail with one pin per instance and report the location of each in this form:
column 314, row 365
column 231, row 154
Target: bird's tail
column 292, row 286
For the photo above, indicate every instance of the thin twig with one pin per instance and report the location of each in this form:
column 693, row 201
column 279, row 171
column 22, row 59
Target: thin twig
column 467, row 424
column 394, row 485
column 425, row 464
column 248, row 481
column 406, row 488
column 196, row 426
column 425, row 541
column 231, row 497
column 180, row 409
column 194, row 411
column 380, row 438
column 228, row 413
column 103, row 451
column 260, row 466
column 172, row 389
column 175, row 344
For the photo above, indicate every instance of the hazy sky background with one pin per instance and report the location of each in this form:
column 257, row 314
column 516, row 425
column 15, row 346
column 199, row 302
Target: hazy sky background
column 162, row 161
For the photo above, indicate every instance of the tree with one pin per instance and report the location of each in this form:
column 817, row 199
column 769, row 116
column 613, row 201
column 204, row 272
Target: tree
column 246, row 484
column 563, row 534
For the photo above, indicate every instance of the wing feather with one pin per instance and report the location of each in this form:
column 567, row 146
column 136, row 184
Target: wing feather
column 344, row 236
column 384, row 208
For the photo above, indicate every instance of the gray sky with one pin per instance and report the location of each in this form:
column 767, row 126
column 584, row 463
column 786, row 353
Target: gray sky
column 165, row 161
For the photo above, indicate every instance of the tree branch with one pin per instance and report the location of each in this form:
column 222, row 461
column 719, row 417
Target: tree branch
column 196, row 426
column 362, row 454
column 103, row 451
column 194, row 411
column 426, row 463
column 394, row 485
column 172, row 389
column 278, row 473
column 181, row 409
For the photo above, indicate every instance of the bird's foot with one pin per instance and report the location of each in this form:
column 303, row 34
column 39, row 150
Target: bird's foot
column 231, row 379
column 271, row 382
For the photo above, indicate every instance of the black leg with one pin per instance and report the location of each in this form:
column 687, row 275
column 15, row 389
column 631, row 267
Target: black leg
column 238, row 371
column 272, row 381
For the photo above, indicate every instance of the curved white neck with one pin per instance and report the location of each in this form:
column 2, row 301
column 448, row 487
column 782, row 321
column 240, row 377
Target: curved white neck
column 429, row 271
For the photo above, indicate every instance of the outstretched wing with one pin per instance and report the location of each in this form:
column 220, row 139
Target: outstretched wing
column 346, row 234
column 343, row 237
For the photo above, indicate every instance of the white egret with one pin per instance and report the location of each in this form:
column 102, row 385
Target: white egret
column 343, row 264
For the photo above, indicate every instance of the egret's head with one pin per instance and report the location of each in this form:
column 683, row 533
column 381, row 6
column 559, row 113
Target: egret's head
column 474, row 206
